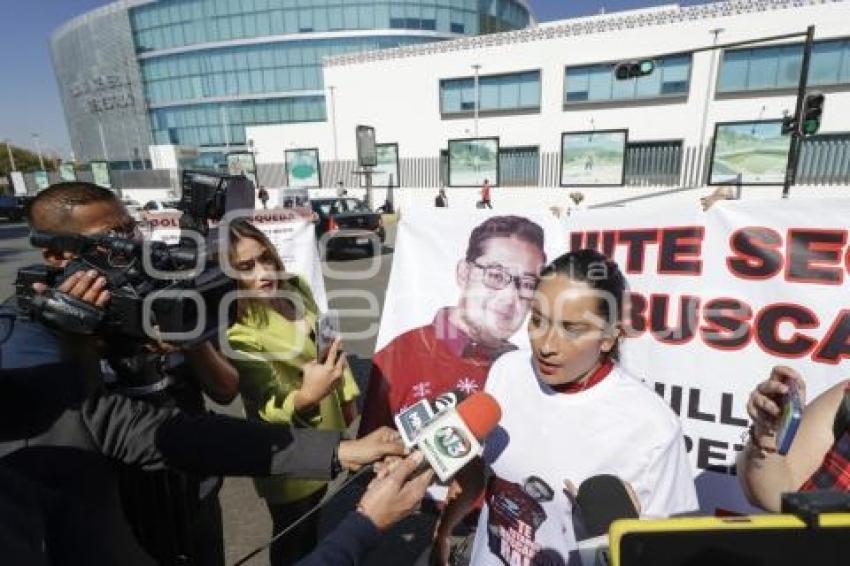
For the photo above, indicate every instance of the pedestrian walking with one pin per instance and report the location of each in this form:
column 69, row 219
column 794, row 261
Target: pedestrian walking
column 485, row 195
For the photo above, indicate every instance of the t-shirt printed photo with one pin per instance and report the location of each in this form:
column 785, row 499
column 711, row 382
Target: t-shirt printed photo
column 515, row 515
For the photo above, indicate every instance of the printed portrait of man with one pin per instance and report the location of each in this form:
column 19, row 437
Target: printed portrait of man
column 496, row 280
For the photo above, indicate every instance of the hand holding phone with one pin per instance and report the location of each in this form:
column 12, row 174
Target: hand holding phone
column 789, row 419
column 327, row 331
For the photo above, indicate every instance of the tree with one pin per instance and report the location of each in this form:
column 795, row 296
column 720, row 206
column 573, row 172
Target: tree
column 25, row 161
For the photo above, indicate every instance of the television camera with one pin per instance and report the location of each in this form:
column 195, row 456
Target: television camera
column 158, row 291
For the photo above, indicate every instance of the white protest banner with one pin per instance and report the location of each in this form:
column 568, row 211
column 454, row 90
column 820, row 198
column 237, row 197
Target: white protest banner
column 760, row 283
column 717, row 300
column 289, row 229
column 452, row 305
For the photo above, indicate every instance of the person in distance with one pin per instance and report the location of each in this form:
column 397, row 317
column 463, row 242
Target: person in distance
column 590, row 418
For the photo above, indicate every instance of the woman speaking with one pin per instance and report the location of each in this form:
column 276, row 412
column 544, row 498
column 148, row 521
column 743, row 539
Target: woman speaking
column 569, row 412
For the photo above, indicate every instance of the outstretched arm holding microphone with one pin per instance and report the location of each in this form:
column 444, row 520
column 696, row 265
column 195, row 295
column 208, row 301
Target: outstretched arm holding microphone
column 393, row 495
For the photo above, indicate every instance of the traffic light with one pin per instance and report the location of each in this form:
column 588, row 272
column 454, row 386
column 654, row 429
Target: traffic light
column 789, row 124
column 633, row 69
column 811, row 114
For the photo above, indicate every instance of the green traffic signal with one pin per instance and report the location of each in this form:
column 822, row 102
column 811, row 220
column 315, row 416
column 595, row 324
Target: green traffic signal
column 633, row 69
column 810, row 116
column 811, row 127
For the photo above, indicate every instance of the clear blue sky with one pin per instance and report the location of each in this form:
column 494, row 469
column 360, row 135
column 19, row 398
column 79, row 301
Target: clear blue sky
column 29, row 98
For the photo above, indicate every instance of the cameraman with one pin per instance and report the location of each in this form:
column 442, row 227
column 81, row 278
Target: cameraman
column 174, row 515
column 55, row 400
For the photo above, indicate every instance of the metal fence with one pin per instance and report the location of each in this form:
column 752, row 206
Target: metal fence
column 824, row 161
column 653, row 163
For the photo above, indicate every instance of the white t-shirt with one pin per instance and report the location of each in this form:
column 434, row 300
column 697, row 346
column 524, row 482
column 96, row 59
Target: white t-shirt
column 618, row 426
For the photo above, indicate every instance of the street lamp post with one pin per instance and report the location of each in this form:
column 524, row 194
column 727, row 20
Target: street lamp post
column 476, row 67
column 38, row 149
column 702, row 141
column 11, row 158
column 225, row 126
column 332, row 89
column 102, row 140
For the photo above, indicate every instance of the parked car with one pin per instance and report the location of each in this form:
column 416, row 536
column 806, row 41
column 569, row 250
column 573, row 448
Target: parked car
column 158, row 206
column 14, row 208
column 133, row 207
column 347, row 222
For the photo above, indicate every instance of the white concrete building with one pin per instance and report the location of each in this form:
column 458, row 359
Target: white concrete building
column 537, row 83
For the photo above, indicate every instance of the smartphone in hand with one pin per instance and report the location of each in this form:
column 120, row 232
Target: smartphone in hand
column 328, row 330
column 789, row 420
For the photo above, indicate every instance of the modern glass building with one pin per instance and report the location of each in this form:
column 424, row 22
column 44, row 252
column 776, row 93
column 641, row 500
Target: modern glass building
column 197, row 72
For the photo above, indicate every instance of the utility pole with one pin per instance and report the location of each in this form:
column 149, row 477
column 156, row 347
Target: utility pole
column 38, row 150
column 102, row 141
column 332, row 89
column 223, row 114
column 476, row 67
column 796, row 135
column 702, row 143
column 11, row 158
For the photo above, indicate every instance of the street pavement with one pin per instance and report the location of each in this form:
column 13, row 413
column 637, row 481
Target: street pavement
column 246, row 521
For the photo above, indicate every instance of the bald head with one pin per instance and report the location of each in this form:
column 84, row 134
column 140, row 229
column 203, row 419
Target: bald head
column 71, row 207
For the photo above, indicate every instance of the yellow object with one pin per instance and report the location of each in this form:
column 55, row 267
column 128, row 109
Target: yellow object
column 717, row 525
column 269, row 364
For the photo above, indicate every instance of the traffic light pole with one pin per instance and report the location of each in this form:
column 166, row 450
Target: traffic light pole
column 796, row 135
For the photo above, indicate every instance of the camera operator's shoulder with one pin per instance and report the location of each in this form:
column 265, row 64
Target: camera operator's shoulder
column 25, row 342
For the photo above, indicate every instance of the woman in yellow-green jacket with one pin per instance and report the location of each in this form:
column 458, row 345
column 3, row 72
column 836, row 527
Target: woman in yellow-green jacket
column 280, row 379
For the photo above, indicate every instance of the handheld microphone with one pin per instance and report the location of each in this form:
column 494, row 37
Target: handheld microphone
column 601, row 500
column 413, row 419
column 451, row 440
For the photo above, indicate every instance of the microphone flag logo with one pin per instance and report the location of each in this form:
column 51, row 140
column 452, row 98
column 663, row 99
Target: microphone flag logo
column 452, row 442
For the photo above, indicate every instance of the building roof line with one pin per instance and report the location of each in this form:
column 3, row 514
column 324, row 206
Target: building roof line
column 290, row 37
column 588, row 25
column 85, row 18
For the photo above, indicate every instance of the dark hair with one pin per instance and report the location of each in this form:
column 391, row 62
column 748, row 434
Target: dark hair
column 504, row 227
column 54, row 205
column 601, row 274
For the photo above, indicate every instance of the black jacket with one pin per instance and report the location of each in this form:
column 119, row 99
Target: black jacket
column 62, row 437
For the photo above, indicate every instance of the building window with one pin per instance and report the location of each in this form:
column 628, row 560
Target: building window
column 218, row 124
column 515, row 91
column 765, row 68
column 596, row 83
column 155, row 25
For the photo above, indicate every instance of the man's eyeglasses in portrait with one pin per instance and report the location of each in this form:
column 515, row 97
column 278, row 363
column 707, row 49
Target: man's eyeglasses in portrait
column 498, row 277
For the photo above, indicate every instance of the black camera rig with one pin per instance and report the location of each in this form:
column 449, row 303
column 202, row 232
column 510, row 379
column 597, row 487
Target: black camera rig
column 158, row 291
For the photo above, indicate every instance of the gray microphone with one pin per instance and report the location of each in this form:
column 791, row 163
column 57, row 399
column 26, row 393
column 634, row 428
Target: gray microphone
column 413, row 419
